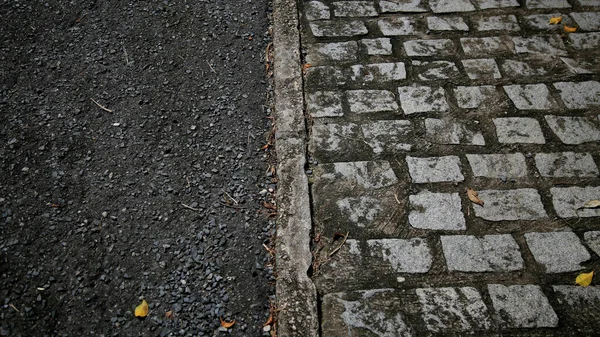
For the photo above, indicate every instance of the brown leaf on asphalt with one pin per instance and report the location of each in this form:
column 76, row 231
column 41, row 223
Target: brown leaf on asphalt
column 142, row 309
column 269, row 206
column 591, row 204
column 474, row 196
column 555, row 20
column 269, row 321
column 226, row 324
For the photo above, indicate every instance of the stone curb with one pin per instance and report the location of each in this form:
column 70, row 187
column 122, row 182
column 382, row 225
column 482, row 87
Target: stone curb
column 296, row 293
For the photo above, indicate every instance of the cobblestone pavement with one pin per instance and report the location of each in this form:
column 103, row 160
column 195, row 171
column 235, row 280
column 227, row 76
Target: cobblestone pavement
column 410, row 103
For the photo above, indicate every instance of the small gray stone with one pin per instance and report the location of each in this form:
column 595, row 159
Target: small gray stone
column 448, row 23
column 449, row 6
column 579, row 95
column 592, row 238
column 394, row 26
column 338, row 28
column 379, row 46
column 498, row 165
column 414, row 99
column 573, row 130
column 522, row 306
column 367, row 101
column 558, row 252
column 436, row 211
column 434, row 169
column 440, row 47
column 566, row 164
column 568, row 201
column 547, row 4
column 513, row 130
column 518, row 204
column 325, row 104
column 505, row 23
column 589, row 21
column 530, row 96
column 468, row 253
column 481, row 69
column 316, row 10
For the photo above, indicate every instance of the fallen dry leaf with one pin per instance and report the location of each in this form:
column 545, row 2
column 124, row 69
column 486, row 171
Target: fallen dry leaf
column 226, row 324
column 584, row 279
column 169, row 314
column 591, row 204
column 306, row 66
column 269, row 206
column 474, row 196
column 269, row 321
column 555, row 20
column 142, row 309
column 570, row 29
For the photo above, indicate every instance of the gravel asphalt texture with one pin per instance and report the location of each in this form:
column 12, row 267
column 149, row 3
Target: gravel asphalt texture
column 160, row 199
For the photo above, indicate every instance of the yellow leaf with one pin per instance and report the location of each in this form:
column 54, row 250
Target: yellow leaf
column 569, row 29
column 555, row 20
column 142, row 309
column 591, row 204
column 584, row 279
column 473, row 196
column 226, row 324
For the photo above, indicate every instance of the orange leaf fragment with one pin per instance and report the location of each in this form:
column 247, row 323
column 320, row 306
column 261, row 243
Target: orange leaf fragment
column 226, row 324
column 584, row 279
column 269, row 321
column 142, row 309
column 306, row 66
column 474, row 196
column 169, row 314
column 569, row 29
column 555, row 20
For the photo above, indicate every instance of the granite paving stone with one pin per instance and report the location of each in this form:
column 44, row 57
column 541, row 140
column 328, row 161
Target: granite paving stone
column 578, row 66
column 334, row 137
column 404, row 6
column 450, row 6
column 579, row 95
column 379, row 72
column 389, row 135
column 568, row 201
column 436, row 23
column 517, row 204
column 486, row 46
column 414, row 99
column 435, row 70
column 323, row 53
column 589, row 21
column 507, row 23
column 354, row 8
column 443, row 131
column 543, row 45
column 367, row 101
column 454, row 309
column 579, row 305
column 338, row 28
column 585, row 41
column 397, row 25
column 404, row 256
column 316, row 10
column 558, row 252
column 437, row 47
column 592, row 239
column 541, row 21
column 434, row 169
column 481, row 69
column 503, row 166
column 325, row 104
column 468, row 253
column 477, row 96
column 530, row 96
column 574, row 130
column 378, row 46
column 488, row 4
column 589, row 3
column 566, row 164
column 325, row 76
column 520, row 69
column 514, row 130
column 532, row 4
column 522, row 306
column 436, row 211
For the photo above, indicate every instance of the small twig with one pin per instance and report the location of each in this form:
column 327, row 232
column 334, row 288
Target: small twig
column 211, row 68
column 271, row 252
column 188, row 181
column 340, row 246
column 231, row 206
column 396, row 197
column 101, row 106
column 190, row 207
column 12, row 306
column 232, row 199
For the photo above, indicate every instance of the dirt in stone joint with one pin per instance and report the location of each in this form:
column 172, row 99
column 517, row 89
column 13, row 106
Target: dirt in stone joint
column 130, row 168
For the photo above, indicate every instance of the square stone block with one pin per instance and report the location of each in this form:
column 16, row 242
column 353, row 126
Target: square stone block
column 518, row 204
column 414, row 99
column 436, row 211
column 513, row 130
column 522, row 306
column 574, row 130
column 468, row 253
column 558, row 252
column 434, row 169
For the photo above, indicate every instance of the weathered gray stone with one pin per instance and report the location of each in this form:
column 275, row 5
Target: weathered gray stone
column 566, row 164
column 475, row 97
column 448, row 23
column 573, row 130
column 468, row 253
column 404, row 256
column 360, row 211
column 595, row 3
column 519, row 69
column 522, row 306
column 370, row 312
column 454, row 309
column 414, row 99
column 367, row 174
column 547, row 4
column 505, row 23
column 579, row 95
column 366, row 101
column 568, row 201
column 379, row 46
column 558, row 252
column 440, row 47
column 592, row 238
column 380, row 72
column 354, row 8
column 434, row 169
column 589, row 21
column 487, row 4
column 585, row 41
column 481, row 69
column 498, row 165
column 579, row 307
column 322, row 53
column 449, row 6
column 435, row 70
column 389, row 135
column 325, row 104
column 542, row 21
column 443, row 131
column 408, row 6
column 334, row 137
column 486, row 46
column 436, row 211
column 325, row 76
column 543, row 45
column 512, row 130
column 316, row 10
column 397, row 25
column 518, row 204
column 338, row 28
column 578, row 66
column 530, row 96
